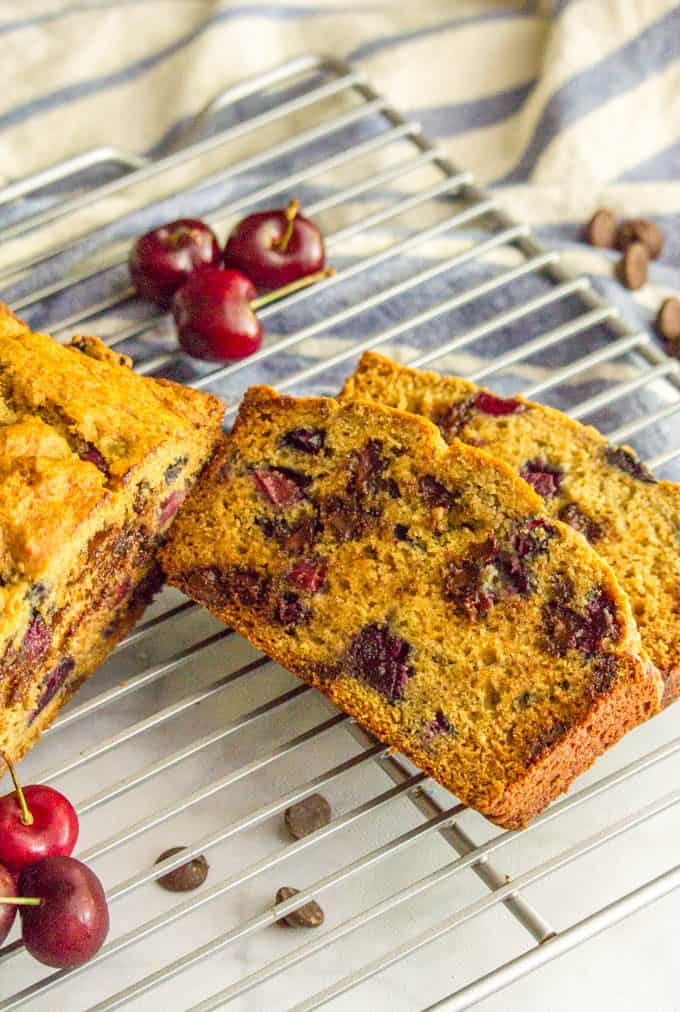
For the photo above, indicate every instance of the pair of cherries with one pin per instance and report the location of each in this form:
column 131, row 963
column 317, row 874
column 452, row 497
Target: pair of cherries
column 212, row 292
column 64, row 913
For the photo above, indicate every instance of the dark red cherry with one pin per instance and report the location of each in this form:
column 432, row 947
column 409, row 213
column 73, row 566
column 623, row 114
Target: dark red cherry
column 163, row 259
column 214, row 317
column 8, row 911
column 69, row 926
column 47, row 825
column 275, row 247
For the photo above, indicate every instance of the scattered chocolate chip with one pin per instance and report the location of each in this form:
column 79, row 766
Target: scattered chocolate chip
column 401, row 532
column 185, row 878
column 532, row 538
column 567, row 629
column 626, row 461
column 347, row 517
column 525, row 700
column 640, row 230
column 366, row 466
column 668, row 325
column 37, row 593
column 604, row 673
column 91, row 454
column 290, row 611
column 451, row 418
column 546, row 739
column 310, row 915
column 489, row 404
column 52, row 682
column 545, row 478
column 469, row 583
column 173, row 472
column 601, row 229
column 439, row 724
column 577, row 518
column 306, row 440
column 307, row 816
column 633, row 267
column 295, row 538
column 215, row 586
column 434, row 493
column 380, row 658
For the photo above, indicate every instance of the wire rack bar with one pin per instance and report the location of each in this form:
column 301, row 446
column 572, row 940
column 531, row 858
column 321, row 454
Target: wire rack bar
column 566, row 857
column 148, row 171
column 62, row 170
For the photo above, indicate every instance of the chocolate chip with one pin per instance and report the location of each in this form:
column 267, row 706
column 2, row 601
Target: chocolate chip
column 601, row 229
column 51, row 684
column 307, row 816
column 434, row 493
column 577, row 518
column 640, row 230
column 668, row 325
column 633, row 267
column 305, row 440
column 626, row 461
column 185, row 878
column 380, row 658
column 401, row 532
column 310, row 915
column 174, row 470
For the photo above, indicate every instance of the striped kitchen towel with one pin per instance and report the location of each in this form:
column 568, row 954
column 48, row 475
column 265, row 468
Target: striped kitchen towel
column 559, row 106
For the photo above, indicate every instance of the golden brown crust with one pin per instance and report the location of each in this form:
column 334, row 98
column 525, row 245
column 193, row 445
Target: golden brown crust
column 94, row 461
column 636, row 521
column 504, row 753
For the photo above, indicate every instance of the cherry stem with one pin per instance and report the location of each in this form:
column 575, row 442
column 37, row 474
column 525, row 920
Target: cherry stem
column 291, row 214
column 294, row 286
column 21, row 901
column 26, row 817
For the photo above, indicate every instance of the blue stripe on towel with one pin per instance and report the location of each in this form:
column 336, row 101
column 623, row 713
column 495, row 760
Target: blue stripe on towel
column 96, row 85
column 663, row 165
column 456, row 118
column 647, row 54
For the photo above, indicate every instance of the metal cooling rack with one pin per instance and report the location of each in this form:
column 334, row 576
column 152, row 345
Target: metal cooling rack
column 199, row 743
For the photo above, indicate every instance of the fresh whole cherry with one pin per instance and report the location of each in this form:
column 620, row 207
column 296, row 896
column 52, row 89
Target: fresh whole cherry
column 8, row 911
column 35, row 822
column 275, row 247
column 215, row 313
column 214, row 318
column 70, row 923
column 163, row 259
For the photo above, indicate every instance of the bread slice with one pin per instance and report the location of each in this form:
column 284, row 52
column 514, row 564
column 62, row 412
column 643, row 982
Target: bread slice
column 422, row 589
column 94, row 463
column 603, row 491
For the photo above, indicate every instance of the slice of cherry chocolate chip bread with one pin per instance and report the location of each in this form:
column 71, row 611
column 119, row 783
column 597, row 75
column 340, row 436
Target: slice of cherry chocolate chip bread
column 94, row 463
column 604, row 492
column 423, row 589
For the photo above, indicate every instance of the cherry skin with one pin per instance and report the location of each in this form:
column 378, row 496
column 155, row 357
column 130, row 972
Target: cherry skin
column 163, row 259
column 275, row 248
column 7, row 911
column 54, row 829
column 72, row 921
column 213, row 315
